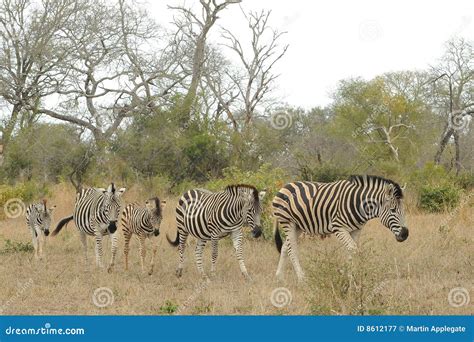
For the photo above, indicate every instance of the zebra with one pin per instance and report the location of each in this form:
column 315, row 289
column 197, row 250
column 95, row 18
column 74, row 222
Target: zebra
column 96, row 212
column 38, row 220
column 341, row 208
column 144, row 222
column 211, row 216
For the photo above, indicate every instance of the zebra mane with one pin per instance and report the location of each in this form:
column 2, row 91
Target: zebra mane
column 244, row 186
column 363, row 179
column 157, row 205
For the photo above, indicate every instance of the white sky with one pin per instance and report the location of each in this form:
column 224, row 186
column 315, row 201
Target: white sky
column 331, row 40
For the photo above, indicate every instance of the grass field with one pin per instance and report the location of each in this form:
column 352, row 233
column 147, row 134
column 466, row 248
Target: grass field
column 386, row 277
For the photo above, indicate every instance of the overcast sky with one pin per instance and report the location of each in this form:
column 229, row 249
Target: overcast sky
column 332, row 40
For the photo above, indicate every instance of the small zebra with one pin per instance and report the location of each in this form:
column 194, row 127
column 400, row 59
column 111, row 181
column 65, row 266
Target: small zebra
column 211, row 216
column 144, row 222
column 38, row 220
column 341, row 208
column 96, row 212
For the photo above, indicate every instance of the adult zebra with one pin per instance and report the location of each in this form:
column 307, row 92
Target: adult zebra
column 144, row 223
column 96, row 212
column 211, row 216
column 38, row 220
column 341, row 208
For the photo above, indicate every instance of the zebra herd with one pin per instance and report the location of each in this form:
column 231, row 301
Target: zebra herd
column 341, row 208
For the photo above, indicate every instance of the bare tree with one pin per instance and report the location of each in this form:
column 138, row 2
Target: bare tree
column 257, row 81
column 30, row 54
column 196, row 28
column 454, row 94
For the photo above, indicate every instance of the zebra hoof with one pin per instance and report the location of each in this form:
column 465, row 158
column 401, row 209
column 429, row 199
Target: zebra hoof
column 109, row 269
column 247, row 278
column 179, row 272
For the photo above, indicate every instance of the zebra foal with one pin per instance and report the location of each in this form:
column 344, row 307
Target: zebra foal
column 38, row 220
column 144, row 223
column 341, row 208
column 96, row 212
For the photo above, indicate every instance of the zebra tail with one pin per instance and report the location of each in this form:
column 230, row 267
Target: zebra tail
column 175, row 242
column 278, row 241
column 61, row 224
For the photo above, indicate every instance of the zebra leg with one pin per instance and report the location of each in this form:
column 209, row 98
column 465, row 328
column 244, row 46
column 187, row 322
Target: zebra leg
column 126, row 247
column 114, row 243
column 237, row 242
column 35, row 241
column 98, row 249
column 199, row 251
column 183, row 236
column 84, row 244
column 215, row 252
column 282, row 262
column 152, row 263
column 346, row 238
column 292, row 234
column 142, row 248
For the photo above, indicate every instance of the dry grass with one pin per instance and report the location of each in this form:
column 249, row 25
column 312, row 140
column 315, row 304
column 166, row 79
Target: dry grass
column 388, row 277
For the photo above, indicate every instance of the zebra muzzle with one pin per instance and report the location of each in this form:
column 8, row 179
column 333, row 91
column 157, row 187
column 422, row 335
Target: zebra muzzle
column 46, row 232
column 403, row 235
column 112, row 227
column 156, row 232
column 257, row 232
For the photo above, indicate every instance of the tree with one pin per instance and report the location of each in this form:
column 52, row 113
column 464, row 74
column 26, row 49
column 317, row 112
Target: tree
column 453, row 81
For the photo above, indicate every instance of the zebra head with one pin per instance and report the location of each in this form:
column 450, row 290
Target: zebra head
column 392, row 214
column 111, row 206
column 45, row 217
column 155, row 211
column 252, row 210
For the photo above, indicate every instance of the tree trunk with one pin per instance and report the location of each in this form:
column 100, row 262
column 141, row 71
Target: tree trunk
column 457, row 162
column 10, row 126
column 442, row 145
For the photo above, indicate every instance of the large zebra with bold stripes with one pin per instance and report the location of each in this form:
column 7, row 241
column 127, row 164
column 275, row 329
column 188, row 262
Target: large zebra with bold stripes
column 144, row 222
column 96, row 212
column 211, row 216
column 341, row 208
column 38, row 220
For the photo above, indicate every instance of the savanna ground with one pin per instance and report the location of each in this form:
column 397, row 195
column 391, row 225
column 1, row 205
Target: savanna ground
column 387, row 277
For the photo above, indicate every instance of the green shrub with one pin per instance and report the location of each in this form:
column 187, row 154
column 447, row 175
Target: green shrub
column 439, row 198
column 20, row 194
column 16, row 247
column 169, row 307
column 325, row 173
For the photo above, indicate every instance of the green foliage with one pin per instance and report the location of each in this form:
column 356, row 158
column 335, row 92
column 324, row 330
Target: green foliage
column 11, row 247
column 324, row 173
column 20, row 193
column 439, row 198
column 169, row 307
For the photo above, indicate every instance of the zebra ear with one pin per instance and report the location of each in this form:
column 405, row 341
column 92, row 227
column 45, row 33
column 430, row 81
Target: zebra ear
column 390, row 191
column 52, row 209
column 163, row 204
column 121, row 191
column 261, row 195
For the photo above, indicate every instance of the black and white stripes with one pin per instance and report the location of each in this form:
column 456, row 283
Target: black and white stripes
column 38, row 220
column 211, row 216
column 96, row 212
column 144, row 222
column 341, row 208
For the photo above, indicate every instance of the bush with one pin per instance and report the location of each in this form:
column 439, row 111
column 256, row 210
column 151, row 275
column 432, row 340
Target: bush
column 439, row 198
column 16, row 247
column 19, row 195
column 325, row 173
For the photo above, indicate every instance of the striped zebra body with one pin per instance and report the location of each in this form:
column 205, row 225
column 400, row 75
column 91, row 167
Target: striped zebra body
column 341, row 208
column 144, row 222
column 38, row 220
column 211, row 216
column 96, row 212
